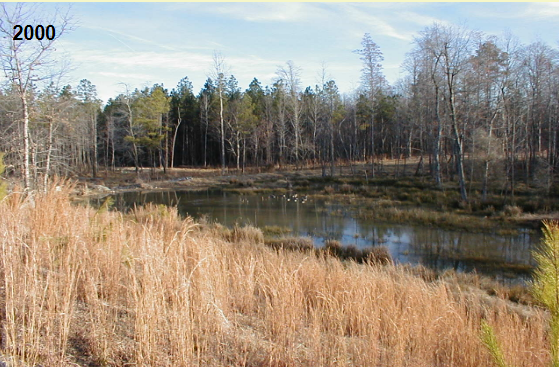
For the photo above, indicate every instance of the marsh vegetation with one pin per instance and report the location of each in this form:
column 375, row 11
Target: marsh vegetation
column 359, row 224
column 104, row 288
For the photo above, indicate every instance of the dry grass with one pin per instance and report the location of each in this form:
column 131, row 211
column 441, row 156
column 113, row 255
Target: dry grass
column 373, row 255
column 149, row 289
column 383, row 210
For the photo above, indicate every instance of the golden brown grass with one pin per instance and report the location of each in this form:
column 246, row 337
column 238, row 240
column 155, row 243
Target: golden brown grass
column 101, row 288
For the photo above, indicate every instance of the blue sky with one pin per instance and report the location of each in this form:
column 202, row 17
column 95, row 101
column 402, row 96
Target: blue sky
column 138, row 44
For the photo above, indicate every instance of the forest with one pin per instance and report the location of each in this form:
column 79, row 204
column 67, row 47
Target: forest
column 475, row 109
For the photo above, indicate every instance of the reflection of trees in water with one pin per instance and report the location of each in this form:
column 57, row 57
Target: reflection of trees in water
column 323, row 220
column 468, row 251
column 328, row 227
column 367, row 230
column 128, row 200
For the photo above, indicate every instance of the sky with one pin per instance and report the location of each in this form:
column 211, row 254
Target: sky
column 120, row 46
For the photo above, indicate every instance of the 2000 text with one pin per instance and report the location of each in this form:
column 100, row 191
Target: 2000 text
column 38, row 32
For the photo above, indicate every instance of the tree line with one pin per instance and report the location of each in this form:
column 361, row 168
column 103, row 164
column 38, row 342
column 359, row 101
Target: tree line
column 477, row 109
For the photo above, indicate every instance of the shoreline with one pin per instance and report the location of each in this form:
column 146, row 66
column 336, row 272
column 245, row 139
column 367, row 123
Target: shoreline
column 401, row 199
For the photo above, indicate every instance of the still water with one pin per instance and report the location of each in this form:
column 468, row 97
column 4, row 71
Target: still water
column 502, row 256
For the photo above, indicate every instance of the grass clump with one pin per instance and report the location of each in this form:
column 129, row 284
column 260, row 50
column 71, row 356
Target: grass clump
column 275, row 231
column 384, row 210
column 246, row 233
column 379, row 255
column 291, row 243
column 346, row 188
column 512, row 211
column 374, row 255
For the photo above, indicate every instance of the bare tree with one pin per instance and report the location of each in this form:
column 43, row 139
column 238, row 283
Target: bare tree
column 87, row 93
column 427, row 64
column 445, row 52
column 126, row 100
column 455, row 46
column 290, row 75
column 279, row 96
column 205, row 98
column 218, row 75
column 371, row 79
column 26, row 62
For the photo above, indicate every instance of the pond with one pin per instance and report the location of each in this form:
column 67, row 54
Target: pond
column 504, row 257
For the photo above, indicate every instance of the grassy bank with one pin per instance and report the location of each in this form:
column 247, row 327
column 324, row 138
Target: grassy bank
column 101, row 288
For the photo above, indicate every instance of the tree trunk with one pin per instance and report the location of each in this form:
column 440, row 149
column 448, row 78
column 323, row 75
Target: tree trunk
column 26, row 170
column 457, row 141
column 244, row 154
column 487, row 160
column 222, row 132
column 48, row 159
column 437, row 144
column 332, row 150
column 372, row 139
column 238, row 143
column 175, row 140
column 95, row 151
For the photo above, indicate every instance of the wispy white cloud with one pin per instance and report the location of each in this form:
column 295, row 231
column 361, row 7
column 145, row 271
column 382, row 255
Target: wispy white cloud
column 378, row 25
column 543, row 10
column 527, row 11
column 114, row 33
column 121, row 76
column 419, row 19
column 270, row 12
column 121, row 64
column 170, row 60
column 123, row 58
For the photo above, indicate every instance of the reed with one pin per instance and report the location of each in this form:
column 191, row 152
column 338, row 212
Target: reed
column 100, row 288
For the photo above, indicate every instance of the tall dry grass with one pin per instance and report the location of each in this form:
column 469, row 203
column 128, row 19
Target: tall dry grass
column 101, row 288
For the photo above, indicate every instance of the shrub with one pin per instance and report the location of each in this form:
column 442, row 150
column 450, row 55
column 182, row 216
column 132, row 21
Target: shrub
column 346, row 189
column 379, row 255
column 329, row 190
column 270, row 168
column 304, row 184
column 512, row 211
column 291, row 243
column 333, row 247
column 248, row 183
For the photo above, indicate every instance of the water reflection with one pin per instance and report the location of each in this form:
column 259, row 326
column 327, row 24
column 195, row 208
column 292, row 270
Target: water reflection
column 503, row 256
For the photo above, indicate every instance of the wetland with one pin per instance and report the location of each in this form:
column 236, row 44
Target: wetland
column 505, row 255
